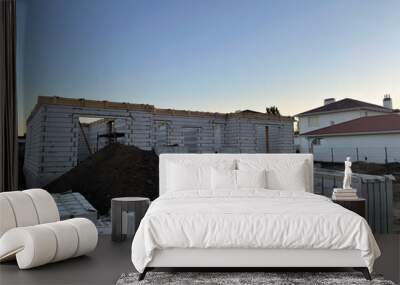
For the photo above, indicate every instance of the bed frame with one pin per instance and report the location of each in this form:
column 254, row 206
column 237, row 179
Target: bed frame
column 261, row 259
column 246, row 259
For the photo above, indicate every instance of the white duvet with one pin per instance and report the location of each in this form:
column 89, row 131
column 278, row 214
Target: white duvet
column 250, row 219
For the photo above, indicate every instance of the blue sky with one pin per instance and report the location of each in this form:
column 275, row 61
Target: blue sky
column 220, row 55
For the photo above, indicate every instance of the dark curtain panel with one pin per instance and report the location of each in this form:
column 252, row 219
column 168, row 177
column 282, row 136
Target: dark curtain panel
column 8, row 101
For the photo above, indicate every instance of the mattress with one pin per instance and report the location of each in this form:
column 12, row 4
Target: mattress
column 250, row 219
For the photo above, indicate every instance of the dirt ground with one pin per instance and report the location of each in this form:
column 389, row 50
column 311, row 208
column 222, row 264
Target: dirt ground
column 115, row 171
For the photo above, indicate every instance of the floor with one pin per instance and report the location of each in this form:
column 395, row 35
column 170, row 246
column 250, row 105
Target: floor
column 389, row 262
column 104, row 266
column 396, row 206
column 110, row 260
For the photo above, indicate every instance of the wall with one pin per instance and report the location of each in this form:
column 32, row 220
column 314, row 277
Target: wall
column 33, row 147
column 326, row 120
column 101, row 127
column 369, row 148
column 180, row 128
column 84, row 148
column 55, row 143
column 337, row 117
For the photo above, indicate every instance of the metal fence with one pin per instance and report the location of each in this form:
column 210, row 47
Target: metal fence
column 377, row 190
column 367, row 154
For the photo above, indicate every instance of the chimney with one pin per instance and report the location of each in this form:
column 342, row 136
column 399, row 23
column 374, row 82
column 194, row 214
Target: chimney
column 329, row 101
column 387, row 101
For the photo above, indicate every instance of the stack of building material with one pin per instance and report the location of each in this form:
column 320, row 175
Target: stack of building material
column 344, row 194
column 73, row 204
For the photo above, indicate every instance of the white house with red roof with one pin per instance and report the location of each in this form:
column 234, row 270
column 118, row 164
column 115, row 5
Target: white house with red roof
column 372, row 139
column 353, row 128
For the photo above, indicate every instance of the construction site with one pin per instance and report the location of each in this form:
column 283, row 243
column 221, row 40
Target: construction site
column 65, row 138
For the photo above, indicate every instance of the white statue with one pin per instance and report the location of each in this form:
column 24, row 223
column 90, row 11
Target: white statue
column 347, row 174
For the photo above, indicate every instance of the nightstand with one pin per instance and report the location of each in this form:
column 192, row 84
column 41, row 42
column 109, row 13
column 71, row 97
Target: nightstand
column 126, row 214
column 358, row 206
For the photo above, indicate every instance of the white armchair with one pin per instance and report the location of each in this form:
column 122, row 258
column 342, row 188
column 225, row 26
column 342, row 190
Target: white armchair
column 31, row 230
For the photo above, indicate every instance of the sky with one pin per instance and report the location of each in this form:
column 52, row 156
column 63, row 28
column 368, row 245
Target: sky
column 208, row 55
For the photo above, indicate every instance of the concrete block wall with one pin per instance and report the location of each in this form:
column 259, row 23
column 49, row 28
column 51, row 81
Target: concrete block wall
column 54, row 136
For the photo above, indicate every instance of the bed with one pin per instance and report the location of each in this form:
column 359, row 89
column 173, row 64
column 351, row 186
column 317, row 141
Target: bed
column 247, row 211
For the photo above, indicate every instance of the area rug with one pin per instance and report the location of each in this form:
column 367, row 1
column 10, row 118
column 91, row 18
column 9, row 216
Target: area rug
column 229, row 278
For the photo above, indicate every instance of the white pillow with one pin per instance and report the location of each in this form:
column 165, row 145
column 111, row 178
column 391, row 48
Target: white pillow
column 291, row 176
column 223, row 179
column 283, row 174
column 193, row 174
column 188, row 177
column 251, row 178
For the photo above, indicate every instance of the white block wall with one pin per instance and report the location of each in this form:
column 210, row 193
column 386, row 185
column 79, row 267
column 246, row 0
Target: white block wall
column 55, row 143
column 370, row 148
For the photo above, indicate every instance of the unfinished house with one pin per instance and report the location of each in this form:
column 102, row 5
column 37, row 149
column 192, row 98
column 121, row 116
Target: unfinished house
column 61, row 132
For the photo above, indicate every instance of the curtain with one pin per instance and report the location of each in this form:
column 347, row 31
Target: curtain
column 8, row 101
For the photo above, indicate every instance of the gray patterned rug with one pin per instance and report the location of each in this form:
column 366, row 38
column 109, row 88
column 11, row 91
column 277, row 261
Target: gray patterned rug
column 229, row 278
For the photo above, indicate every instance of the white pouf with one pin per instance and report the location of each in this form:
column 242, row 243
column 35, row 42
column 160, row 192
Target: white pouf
column 46, row 208
column 37, row 245
column 22, row 207
column 31, row 233
column 7, row 220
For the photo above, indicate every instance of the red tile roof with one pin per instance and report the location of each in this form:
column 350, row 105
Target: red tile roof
column 374, row 124
column 345, row 104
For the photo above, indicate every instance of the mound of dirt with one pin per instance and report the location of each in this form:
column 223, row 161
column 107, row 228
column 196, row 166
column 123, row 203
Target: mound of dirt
column 115, row 171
